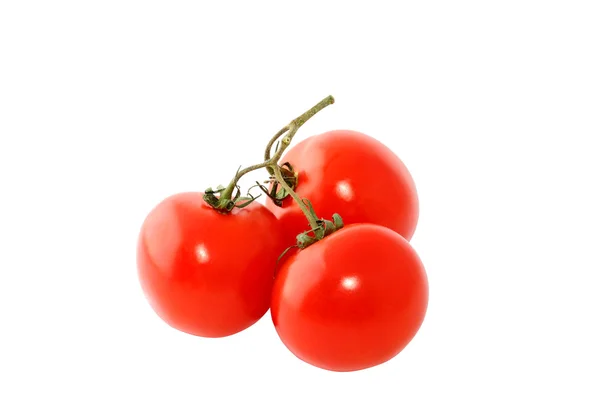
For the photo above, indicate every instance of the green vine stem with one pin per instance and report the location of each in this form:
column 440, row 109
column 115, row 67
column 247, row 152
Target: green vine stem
column 293, row 127
column 226, row 200
column 313, row 221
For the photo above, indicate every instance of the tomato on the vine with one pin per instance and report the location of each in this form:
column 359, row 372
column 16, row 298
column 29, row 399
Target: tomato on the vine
column 352, row 300
column 205, row 272
column 352, row 174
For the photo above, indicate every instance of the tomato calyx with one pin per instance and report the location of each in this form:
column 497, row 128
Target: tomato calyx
column 305, row 239
column 225, row 203
column 325, row 228
column 230, row 197
column 277, row 193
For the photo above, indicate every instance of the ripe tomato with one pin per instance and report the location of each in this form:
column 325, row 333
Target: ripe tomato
column 206, row 273
column 352, row 174
column 352, row 300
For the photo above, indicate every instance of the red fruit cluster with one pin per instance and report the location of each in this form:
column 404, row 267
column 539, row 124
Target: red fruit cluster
column 350, row 295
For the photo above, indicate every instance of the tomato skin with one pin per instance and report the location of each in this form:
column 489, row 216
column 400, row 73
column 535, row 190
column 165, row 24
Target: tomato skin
column 352, row 300
column 354, row 175
column 207, row 273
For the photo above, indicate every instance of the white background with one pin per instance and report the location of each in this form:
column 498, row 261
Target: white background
column 107, row 107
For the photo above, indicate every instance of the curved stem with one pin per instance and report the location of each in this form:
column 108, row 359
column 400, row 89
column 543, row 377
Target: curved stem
column 297, row 123
column 228, row 192
column 272, row 142
column 312, row 220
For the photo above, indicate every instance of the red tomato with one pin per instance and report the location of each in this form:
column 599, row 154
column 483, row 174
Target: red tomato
column 206, row 273
column 352, row 300
column 352, row 174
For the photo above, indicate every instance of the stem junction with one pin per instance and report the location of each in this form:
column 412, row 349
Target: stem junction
column 230, row 197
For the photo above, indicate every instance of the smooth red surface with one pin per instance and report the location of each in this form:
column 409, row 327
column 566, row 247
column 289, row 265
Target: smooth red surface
column 206, row 273
column 354, row 175
column 351, row 301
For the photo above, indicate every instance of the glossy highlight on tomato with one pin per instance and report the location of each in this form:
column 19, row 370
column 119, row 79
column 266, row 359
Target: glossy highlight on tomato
column 353, row 174
column 352, row 300
column 204, row 272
